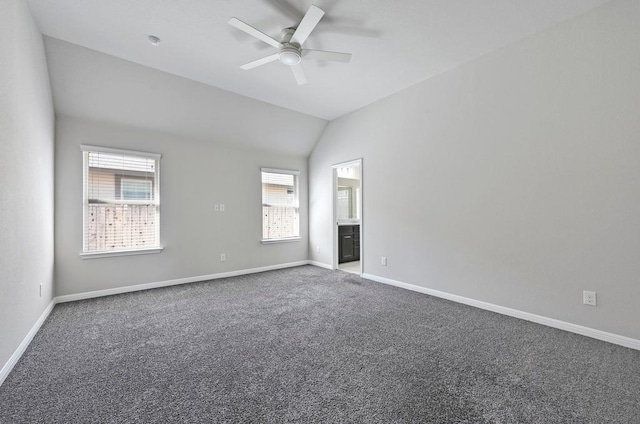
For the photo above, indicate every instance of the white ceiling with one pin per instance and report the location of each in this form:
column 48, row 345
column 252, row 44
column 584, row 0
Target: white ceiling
column 395, row 44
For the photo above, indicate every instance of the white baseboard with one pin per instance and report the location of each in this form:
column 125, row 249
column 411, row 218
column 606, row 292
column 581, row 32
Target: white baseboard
column 13, row 360
column 539, row 319
column 166, row 283
column 320, row 264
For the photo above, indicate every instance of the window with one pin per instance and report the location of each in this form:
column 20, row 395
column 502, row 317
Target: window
column 121, row 202
column 136, row 189
column 280, row 205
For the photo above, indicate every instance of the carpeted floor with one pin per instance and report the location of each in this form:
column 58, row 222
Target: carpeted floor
column 310, row 345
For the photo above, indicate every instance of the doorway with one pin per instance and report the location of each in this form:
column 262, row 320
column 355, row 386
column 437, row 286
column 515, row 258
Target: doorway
column 347, row 216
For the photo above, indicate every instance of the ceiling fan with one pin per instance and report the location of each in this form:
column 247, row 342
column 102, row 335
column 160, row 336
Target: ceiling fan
column 291, row 52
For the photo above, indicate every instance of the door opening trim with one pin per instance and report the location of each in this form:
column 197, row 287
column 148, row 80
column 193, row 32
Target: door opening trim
column 360, row 204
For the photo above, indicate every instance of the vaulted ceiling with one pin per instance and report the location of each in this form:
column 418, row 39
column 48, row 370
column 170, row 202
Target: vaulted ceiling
column 103, row 67
column 395, row 44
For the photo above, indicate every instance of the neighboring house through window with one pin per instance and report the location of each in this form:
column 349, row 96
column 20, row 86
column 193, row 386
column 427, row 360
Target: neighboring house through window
column 280, row 205
column 121, row 202
column 132, row 189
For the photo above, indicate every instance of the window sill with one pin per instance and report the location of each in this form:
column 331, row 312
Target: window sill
column 280, row 240
column 107, row 254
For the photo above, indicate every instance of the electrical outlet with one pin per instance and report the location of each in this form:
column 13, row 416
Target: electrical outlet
column 40, row 289
column 589, row 298
column 383, row 261
column 317, row 249
column 216, row 208
column 221, row 207
column 223, row 257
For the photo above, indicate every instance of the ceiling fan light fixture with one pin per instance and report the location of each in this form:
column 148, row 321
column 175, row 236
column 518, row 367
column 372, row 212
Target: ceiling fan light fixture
column 289, row 56
column 290, row 49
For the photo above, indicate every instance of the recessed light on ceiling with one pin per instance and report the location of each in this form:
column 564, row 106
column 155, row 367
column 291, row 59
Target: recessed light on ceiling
column 154, row 40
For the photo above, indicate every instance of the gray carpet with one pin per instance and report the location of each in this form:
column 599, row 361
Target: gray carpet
column 310, row 345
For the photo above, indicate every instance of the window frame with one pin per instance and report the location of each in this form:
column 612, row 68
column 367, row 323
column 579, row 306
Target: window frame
column 296, row 175
column 86, row 149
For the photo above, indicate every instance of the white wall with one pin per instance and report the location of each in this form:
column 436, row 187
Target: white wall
column 194, row 176
column 513, row 179
column 26, row 177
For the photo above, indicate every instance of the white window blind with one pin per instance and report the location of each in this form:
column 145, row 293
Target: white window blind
column 280, row 204
column 121, row 200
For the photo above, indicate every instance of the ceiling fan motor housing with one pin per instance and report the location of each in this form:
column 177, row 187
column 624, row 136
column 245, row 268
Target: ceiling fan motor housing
column 289, row 53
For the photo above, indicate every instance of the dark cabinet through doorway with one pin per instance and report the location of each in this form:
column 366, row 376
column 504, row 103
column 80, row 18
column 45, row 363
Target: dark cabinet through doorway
column 348, row 243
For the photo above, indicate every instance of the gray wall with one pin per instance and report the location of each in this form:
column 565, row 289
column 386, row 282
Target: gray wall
column 26, row 177
column 91, row 85
column 513, row 179
column 194, row 176
column 213, row 143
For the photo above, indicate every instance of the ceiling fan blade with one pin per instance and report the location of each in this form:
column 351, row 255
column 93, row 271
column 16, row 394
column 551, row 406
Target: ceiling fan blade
column 324, row 55
column 299, row 74
column 259, row 62
column 308, row 23
column 254, row 32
